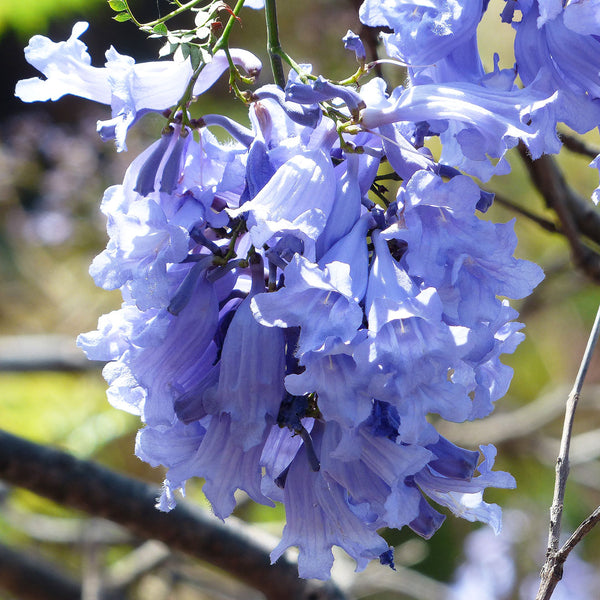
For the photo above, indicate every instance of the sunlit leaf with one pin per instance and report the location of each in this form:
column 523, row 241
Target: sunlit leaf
column 160, row 29
column 122, row 17
column 117, row 5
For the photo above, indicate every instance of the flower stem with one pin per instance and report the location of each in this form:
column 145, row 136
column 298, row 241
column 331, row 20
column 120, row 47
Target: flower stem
column 220, row 44
column 224, row 39
column 182, row 8
column 273, row 44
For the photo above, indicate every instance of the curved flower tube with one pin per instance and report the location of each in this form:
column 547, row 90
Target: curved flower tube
column 130, row 89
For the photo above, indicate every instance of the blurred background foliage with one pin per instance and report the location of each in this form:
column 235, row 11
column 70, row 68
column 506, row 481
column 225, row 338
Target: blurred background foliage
column 53, row 170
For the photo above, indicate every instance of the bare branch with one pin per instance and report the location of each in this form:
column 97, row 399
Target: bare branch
column 96, row 490
column 552, row 569
column 584, row 528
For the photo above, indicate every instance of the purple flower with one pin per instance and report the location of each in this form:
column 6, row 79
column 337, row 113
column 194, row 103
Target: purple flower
column 250, row 386
column 469, row 261
column 142, row 243
column 320, row 301
column 424, row 32
column 354, row 43
column 321, row 514
column 297, row 199
column 479, row 122
column 288, row 333
column 130, row 89
column 208, row 451
column 558, row 51
column 464, row 496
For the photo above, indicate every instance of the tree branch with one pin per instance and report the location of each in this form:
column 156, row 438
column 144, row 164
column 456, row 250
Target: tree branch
column 584, row 528
column 43, row 353
column 578, row 146
column 370, row 38
column 543, row 223
column 552, row 570
column 86, row 486
column 31, row 579
column 576, row 214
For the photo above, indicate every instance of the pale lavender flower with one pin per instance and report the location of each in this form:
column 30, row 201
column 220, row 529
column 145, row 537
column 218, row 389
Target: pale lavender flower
column 130, row 89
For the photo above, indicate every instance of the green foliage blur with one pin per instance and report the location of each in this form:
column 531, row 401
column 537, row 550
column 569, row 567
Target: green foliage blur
column 28, row 17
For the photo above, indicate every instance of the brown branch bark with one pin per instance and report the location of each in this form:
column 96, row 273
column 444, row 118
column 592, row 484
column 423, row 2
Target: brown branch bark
column 98, row 491
column 543, row 223
column 577, row 215
column 29, row 578
column 578, row 145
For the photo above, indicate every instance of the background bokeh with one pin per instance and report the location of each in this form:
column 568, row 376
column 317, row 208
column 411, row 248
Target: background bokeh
column 53, row 170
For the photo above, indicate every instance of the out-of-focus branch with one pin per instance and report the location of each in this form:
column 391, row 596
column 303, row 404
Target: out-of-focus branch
column 87, row 486
column 57, row 530
column 29, row 578
column 543, row 223
column 136, row 564
column 579, row 146
column 370, row 38
column 576, row 214
column 552, row 570
column 407, row 582
column 504, row 427
column 43, row 353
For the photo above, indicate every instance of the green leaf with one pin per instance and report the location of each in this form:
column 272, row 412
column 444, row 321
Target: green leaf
column 195, row 56
column 117, row 5
column 122, row 17
column 202, row 18
column 167, row 49
column 185, row 50
column 160, row 29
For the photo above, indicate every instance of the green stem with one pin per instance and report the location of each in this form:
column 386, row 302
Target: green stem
column 221, row 43
column 273, row 45
column 353, row 79
column 182, row 8
column 276, row 52
column 135, row 21
column 224, row 39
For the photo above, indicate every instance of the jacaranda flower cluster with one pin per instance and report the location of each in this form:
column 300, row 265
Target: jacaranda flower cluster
column 289, row 330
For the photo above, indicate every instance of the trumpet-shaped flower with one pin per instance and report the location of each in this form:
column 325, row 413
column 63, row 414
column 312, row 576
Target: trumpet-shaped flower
column 130, row 89
column 287, row 329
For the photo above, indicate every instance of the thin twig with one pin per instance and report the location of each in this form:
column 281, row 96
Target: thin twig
column 551, row 572
column 584, row 528
column 543, row 223
column 87, row 486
